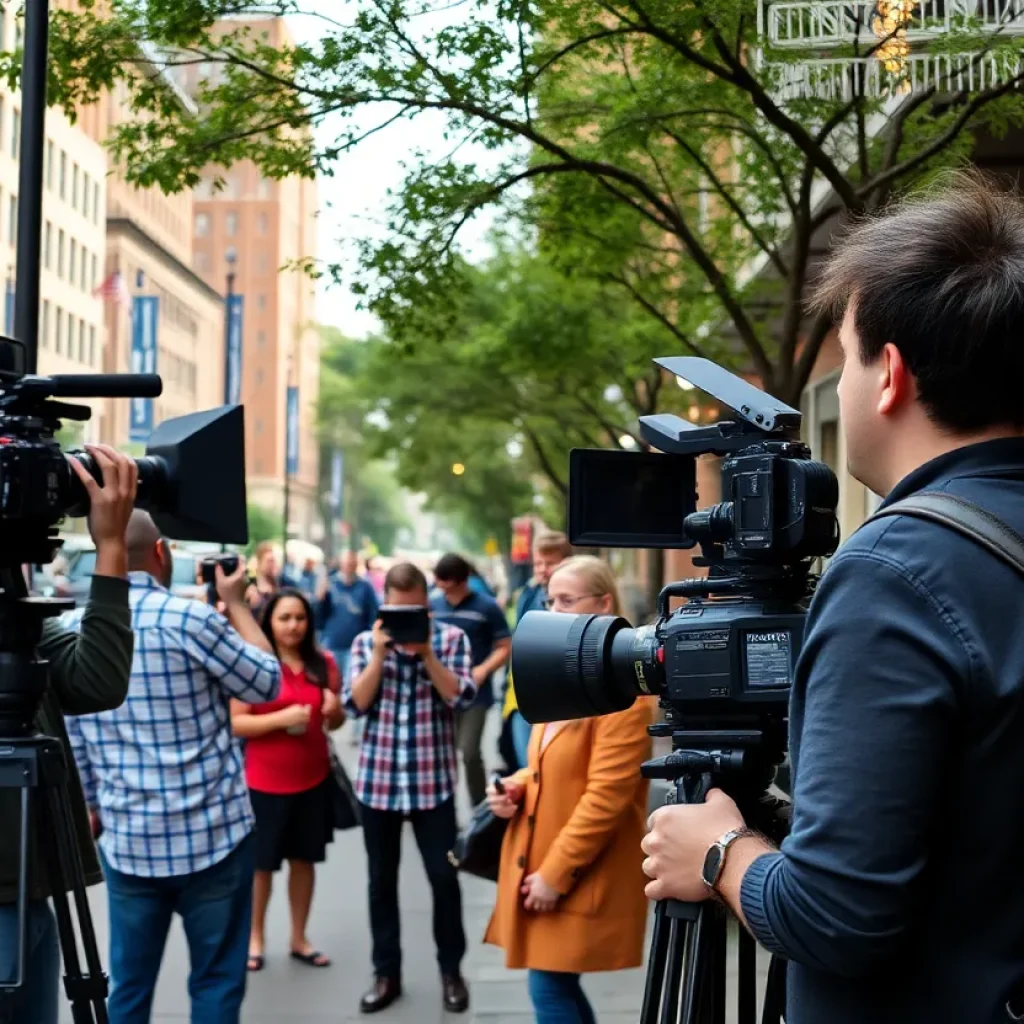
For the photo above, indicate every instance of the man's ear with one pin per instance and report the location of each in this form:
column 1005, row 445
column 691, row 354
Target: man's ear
column 898, row 385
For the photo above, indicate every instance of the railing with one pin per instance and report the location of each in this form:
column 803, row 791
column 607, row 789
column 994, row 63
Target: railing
column 821, row 24
column 842, row 78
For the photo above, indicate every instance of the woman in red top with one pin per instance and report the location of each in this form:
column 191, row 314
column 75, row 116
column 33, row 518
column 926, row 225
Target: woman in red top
column 287, row 767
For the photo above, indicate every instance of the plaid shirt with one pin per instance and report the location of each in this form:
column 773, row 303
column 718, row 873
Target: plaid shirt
column 163, row 769
column 407, row 762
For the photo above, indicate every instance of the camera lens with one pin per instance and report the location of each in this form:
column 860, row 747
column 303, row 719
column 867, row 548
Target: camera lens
column 575, row 666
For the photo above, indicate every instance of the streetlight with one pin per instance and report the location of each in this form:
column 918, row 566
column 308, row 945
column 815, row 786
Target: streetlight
column 232, row 334
column 458, row 469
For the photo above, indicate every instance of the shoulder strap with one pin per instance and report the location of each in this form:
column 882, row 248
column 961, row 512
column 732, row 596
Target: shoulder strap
column 966, row 518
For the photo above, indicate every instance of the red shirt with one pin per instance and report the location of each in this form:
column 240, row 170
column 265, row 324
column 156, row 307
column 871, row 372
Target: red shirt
column 280, row 762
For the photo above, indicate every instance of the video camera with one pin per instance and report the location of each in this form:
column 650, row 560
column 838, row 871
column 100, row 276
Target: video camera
column 722, row 663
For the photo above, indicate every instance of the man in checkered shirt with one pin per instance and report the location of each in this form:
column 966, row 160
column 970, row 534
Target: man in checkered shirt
column 407, row 771
column 165, row 779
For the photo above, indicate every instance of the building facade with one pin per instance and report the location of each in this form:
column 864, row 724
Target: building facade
column 267, row 226
column 149, row 254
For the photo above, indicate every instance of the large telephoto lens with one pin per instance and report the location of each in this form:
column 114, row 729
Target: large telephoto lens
column 578, row 666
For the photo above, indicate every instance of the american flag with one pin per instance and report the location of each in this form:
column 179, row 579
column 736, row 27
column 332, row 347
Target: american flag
column 115, row 289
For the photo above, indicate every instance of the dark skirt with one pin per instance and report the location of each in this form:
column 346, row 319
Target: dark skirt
column 292, row 826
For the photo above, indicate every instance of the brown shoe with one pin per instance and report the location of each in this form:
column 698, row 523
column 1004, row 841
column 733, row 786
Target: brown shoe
column 454, row 993
column 384, row 992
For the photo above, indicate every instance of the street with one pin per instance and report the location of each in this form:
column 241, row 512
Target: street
column 340, row 927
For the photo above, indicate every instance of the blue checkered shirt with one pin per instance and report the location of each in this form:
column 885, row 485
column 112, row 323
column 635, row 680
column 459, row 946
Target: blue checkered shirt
column 163, row 769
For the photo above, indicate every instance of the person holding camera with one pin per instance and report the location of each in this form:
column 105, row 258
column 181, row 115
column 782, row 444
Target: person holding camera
column 287, row 767
column 409, row 692
column 569, row 885
column 898, row 895
column 165, row 778
column 89, row 672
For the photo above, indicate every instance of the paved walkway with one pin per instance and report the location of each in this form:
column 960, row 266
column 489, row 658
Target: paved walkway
column 285, row 990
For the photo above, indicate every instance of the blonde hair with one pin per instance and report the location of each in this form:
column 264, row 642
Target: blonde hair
column 597, row 575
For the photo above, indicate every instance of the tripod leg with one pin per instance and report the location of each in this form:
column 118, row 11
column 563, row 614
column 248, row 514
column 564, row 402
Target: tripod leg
column 715, row 1013
column 746, row 1009
column 656, row 967
column 775, row 992
column 696, row 965
column 86, row 993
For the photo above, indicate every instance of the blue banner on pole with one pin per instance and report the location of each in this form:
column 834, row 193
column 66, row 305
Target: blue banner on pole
column 145, row 309
column 233, row 365
column 292, row 435
column 9, row 308
column 337, row 481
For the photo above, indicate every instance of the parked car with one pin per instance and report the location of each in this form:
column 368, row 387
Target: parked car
column 82, row 564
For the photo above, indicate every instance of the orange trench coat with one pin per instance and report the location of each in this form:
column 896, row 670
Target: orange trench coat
column 583, row 815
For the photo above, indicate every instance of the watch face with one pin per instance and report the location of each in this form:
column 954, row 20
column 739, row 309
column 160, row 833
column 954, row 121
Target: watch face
column 712, row 865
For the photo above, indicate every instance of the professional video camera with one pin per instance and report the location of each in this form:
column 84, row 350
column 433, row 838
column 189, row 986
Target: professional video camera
column 192, row 481
column 722, row 663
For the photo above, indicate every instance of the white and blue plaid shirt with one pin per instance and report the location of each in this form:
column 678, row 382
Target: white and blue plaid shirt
column 163, row 769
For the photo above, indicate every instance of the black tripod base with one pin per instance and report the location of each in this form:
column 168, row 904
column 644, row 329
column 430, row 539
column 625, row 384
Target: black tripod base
column 35, row 766
column 688, row 969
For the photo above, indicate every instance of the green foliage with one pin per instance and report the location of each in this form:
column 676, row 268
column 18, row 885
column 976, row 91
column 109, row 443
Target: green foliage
column 661, row 160
column 264, row 524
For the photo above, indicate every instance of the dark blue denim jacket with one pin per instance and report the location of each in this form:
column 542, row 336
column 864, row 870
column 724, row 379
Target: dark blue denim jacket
column 899, row 895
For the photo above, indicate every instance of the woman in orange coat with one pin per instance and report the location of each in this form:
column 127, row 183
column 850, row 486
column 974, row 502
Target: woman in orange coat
column 570, row 886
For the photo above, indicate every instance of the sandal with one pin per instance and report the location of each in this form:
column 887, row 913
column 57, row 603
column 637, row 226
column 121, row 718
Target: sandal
column 254, row 963
column 313, row 959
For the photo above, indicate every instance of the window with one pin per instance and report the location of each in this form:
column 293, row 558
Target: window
column 71, row 335
column 202, row 262
column 259, row 378
column 231, row 224
column 262, row 223
column 83, row 273
column 62, row 177
column 49, row 165
column 262, row 262
column 261, row 339
column 93, row 271
column 81, row 341
column 74, row 185
column 59, row 336
column 261, row 301
column 202, row 225
column 259, row 427
column 95, row 203
column 47, row 245
column 85, row 194
column 15, row 133
column 12, row 218
column 60, row 254
column 263, row 189
column 44, row 325
column 92, row 345
column 72, row 260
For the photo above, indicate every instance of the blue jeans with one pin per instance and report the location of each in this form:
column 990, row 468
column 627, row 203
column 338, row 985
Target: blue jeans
column 216, row 910
column 558, row 998
column 521, row 730
column 42, row 963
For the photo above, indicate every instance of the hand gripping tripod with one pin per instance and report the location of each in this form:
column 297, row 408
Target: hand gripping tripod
column 34, row 766
column 688, row 964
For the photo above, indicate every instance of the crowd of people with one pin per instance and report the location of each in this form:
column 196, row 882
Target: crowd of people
column 215, row 772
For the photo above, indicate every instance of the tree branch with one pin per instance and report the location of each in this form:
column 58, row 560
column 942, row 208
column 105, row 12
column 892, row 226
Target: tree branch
column 546, row 466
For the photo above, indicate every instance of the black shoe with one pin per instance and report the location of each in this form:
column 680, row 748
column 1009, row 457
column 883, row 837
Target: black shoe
column 384, row 992
column 454, row 993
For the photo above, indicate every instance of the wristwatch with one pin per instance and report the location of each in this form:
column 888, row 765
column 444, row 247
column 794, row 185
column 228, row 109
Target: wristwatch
column 714, row 859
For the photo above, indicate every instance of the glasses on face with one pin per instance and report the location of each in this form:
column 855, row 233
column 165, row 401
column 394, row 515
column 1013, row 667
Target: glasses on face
column 566, row 602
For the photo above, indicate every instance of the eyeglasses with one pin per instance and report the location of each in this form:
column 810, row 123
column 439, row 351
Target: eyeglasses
column 567, row 603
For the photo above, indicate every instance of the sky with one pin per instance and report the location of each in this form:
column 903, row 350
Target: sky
column 353, row 201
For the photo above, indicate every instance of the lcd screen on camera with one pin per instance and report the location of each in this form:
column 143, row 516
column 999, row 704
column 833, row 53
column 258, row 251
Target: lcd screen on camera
column 630, row 499
column 769, row 660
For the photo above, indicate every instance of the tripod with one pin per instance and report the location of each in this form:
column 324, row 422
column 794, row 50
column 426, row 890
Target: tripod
column 34, row 766
column 693, row 937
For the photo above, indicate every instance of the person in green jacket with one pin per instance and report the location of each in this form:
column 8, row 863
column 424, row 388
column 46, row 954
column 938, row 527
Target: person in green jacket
column 89, row 672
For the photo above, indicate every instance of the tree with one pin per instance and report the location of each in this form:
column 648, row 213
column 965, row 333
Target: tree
column 371, row 498
column 264, row 524
column 661, row 156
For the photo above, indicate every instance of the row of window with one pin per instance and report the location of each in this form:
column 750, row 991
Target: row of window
column 175, row 371
column 202, row 224
column 201, row 261
column 171, row 309
column 67, row 334
column 70, row 259
column 72, row 184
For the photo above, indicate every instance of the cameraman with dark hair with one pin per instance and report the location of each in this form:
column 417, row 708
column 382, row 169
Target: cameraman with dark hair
column 88, row 672
column 898, row 896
